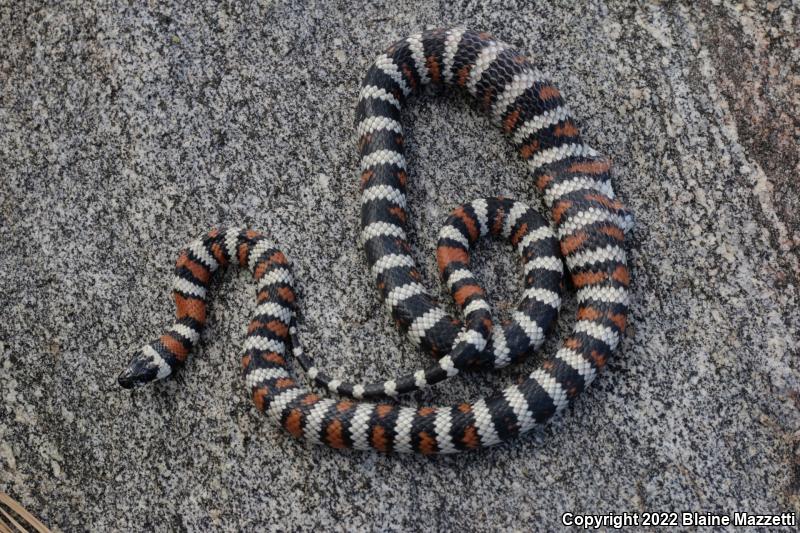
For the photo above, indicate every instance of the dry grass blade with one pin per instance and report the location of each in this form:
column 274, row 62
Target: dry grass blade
column 19, row 510
column 4, row 527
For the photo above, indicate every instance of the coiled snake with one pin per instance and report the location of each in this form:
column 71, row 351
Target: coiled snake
column 590, row 226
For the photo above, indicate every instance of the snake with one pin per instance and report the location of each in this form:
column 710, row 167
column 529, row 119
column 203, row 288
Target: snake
column 586, row 235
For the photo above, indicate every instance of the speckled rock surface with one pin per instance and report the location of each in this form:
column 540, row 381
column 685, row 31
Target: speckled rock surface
column 125, row 131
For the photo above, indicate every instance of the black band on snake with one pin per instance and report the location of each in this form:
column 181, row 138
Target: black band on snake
column 590, row 228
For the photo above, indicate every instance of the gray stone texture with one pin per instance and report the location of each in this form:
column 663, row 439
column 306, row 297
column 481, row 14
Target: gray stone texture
column 126, row 130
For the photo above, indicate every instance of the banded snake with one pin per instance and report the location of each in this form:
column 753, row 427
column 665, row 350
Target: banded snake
column 590, row 226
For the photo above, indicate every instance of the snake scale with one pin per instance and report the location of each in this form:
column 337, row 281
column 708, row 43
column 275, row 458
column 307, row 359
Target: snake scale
column 588, row 237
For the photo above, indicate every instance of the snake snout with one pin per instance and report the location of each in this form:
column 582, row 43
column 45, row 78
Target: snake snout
column 140, row 371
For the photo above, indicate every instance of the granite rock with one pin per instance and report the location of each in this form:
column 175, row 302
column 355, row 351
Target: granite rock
column 126, row 130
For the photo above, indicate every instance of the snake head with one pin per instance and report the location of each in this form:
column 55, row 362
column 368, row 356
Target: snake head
column 146, row 366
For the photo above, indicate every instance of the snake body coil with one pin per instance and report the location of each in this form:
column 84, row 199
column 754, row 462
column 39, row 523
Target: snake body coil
column 590, row 226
